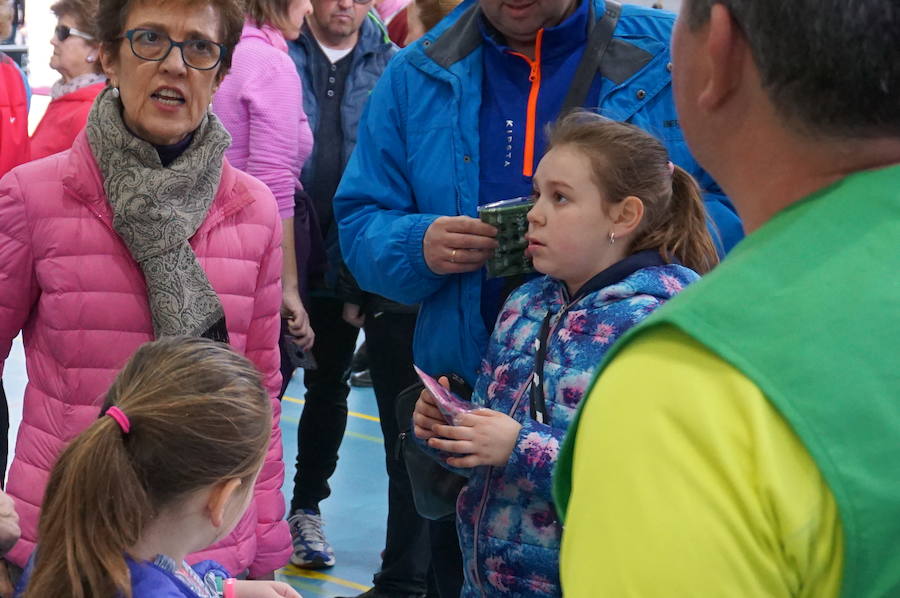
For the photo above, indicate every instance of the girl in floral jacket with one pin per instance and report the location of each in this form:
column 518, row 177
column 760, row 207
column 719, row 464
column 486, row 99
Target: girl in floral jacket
column 617, row 230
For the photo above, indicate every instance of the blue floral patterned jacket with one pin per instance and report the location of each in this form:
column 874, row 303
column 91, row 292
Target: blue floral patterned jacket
column 506, row 520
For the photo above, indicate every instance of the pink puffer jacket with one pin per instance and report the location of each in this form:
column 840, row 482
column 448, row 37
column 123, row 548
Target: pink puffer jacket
column 68, row 281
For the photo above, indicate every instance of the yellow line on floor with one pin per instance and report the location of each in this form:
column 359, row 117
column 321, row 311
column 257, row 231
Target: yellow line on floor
column 292, row 571
column 294, row 420
column 308, row 586
column 371, row 418
column 363, row 436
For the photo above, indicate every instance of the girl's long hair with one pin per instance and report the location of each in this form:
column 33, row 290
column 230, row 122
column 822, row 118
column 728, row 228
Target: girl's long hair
column 198, row 415
column 626, row 161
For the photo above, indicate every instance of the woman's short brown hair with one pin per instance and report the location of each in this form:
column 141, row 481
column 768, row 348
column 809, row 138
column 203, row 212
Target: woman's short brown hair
column 112, row 15
column 270, row 12
column 84, row 12
column 432, row 11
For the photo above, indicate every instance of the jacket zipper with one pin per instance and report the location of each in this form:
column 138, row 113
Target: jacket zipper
column 531, row 119
column 483, row 504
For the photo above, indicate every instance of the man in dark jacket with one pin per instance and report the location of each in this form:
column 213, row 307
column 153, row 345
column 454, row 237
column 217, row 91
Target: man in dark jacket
column 341, row 53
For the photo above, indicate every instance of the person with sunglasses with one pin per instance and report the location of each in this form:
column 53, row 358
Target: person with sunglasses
column 142, row 230
column 75, row 58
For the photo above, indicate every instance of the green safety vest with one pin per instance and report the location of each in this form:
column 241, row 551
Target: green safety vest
column 808, row 308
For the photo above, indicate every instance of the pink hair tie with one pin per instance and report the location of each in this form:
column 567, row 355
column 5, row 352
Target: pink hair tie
column 120, row 417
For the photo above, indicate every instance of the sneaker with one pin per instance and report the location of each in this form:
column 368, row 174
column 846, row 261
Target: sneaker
column 311, row 550
column 361, row 379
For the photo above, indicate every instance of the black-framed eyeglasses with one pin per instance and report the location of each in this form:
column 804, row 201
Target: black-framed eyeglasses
column 63, row 32
column 200, row 54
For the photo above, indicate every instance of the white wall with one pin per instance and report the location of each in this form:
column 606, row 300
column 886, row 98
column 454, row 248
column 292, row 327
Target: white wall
column 39, row 24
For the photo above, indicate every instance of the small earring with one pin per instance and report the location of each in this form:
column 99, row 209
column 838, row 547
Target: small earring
column 115, row 92
column 90, row 59
column 612, row 238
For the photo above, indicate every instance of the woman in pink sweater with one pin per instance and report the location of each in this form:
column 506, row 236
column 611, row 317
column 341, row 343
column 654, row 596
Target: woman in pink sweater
column 260, row 102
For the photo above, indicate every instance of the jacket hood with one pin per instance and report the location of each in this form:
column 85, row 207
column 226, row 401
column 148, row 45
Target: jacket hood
column 642, row 273
column 373, row 35
column 662, row 282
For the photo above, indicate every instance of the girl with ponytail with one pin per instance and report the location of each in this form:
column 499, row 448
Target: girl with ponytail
column 167, row 470
column 618, row 230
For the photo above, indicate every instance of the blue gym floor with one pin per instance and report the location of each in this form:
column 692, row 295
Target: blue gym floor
column 356, row 511
column 354, row 515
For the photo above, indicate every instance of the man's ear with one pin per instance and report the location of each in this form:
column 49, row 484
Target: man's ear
column 219, row 498
column 725, row 48
column 627, row 215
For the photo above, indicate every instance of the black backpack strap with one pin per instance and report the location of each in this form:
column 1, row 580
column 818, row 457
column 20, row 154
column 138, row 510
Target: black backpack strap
column 598, row 41
column 536, row 395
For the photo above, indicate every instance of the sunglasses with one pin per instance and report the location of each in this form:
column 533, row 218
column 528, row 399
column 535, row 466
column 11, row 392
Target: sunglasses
column 64, row 31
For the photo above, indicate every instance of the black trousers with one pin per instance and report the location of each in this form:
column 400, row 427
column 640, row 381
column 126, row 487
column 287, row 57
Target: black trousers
column 324, row 415
column 406, row 555
column 446, row 559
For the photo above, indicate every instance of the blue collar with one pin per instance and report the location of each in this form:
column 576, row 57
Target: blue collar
column 562, row 40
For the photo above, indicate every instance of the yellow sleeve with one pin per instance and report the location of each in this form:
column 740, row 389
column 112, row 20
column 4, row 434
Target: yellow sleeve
column 686, row 482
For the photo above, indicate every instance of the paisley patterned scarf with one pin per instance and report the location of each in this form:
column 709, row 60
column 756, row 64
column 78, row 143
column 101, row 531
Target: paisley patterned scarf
column 157, row 209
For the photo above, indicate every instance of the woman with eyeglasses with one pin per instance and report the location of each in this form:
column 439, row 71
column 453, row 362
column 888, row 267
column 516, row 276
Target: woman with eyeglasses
column 142, row 230
column 76, row 58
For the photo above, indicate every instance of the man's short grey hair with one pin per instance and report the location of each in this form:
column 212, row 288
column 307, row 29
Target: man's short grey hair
column 831, row 67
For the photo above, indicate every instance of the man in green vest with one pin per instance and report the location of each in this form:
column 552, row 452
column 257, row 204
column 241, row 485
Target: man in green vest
column 745, row 441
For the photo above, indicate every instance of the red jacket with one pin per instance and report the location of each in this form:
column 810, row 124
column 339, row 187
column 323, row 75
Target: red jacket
column 13, row 116
column 64, row 119
column 70, row 284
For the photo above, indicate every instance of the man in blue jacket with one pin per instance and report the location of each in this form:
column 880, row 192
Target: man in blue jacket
column 457, row 121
